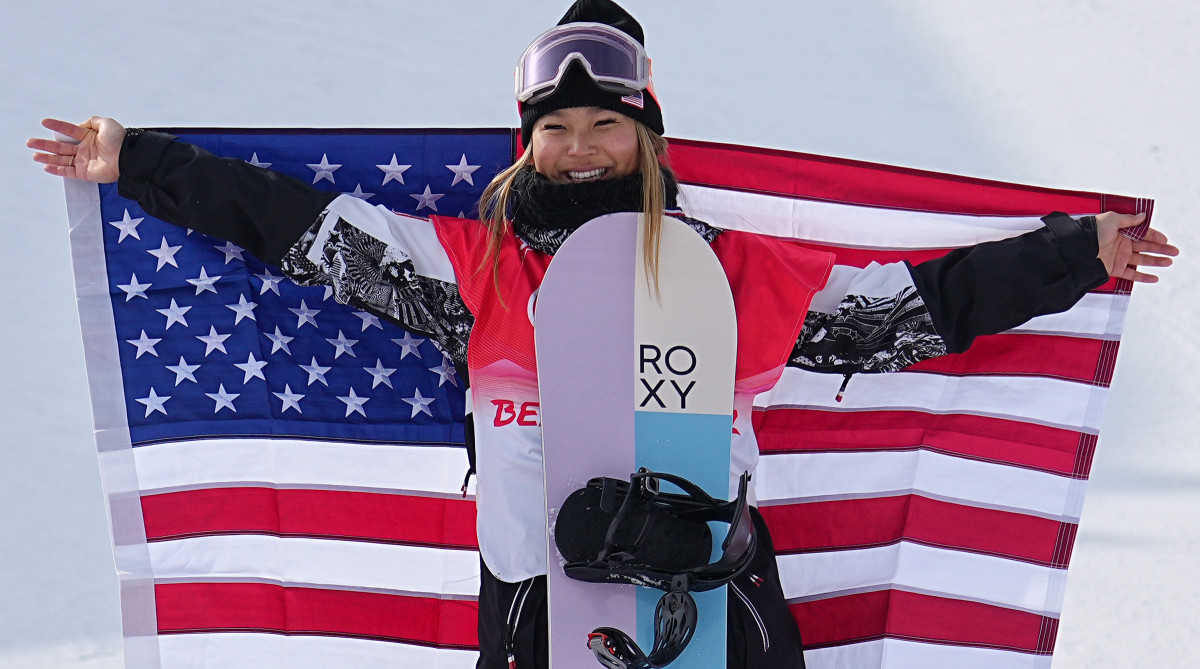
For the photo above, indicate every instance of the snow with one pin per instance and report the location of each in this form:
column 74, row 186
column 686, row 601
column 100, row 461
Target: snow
column 1087, row 94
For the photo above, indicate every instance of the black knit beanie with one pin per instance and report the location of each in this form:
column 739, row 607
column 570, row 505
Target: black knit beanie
column 578, row 90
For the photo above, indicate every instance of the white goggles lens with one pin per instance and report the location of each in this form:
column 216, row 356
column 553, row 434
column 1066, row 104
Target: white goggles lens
column 614, row 60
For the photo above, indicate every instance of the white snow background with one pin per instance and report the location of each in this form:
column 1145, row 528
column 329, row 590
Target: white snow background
column 1081, row 94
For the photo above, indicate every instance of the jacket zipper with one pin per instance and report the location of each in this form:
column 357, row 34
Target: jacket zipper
column 762, row 627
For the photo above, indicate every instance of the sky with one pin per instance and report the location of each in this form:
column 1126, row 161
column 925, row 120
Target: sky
column 1079, row 94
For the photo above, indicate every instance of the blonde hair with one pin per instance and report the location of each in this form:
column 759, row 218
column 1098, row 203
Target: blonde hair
column 495, row 203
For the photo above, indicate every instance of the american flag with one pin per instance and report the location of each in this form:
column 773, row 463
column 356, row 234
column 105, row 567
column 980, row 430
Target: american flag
column 284, row 472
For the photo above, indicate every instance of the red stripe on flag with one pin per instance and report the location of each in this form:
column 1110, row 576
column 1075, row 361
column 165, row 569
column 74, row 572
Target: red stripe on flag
column 985, row 438
column 814, row 177
column 1013, row 354
column 853, row 257
column 863, row 523
column 906, row 615
column 400, row 519
column 267, row 608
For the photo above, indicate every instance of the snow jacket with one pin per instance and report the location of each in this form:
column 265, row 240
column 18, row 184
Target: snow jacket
column 874, row 319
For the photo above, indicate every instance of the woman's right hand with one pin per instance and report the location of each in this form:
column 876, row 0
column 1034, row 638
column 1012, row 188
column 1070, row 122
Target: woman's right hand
column 95, row 156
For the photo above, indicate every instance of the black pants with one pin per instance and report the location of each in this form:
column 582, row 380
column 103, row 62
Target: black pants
column 761, row 635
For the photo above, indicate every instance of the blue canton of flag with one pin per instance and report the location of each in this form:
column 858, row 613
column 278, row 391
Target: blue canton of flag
column 215, row 343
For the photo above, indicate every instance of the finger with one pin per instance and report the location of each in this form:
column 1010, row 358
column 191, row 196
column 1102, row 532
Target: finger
column 1138, row 277
column 1157, row 237
column 52, row 146
column 1127, row 221
column 75, row 132
column 53, row 159
column 1157, row 248
column 1142, row 259
column 59, row 171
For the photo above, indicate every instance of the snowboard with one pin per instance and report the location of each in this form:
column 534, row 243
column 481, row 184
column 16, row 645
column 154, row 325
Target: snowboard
column 633, row 375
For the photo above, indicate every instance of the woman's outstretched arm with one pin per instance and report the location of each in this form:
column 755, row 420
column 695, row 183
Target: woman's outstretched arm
column 262, row 211
column 885, row 318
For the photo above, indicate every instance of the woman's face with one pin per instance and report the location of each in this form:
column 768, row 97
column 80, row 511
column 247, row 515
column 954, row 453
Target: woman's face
column 581, row 144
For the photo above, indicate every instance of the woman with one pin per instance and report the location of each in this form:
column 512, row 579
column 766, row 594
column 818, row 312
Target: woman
column 594, row 139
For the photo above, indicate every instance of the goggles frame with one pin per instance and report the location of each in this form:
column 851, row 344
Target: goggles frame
column 595, row 38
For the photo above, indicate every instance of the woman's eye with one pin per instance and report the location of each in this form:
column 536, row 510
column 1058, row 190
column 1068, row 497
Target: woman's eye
column 606, row 121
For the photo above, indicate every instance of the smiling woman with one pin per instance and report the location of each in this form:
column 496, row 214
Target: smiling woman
column 594, row 148
column 581, row 144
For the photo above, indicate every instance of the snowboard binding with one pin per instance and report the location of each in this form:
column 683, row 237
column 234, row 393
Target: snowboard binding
column 631, row 532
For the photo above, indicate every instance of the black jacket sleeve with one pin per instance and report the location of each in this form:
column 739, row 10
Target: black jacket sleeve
column 262, row 211
column 995, row 286
column 940, row 306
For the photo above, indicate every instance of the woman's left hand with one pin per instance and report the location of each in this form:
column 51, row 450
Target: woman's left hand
column 1122, row 256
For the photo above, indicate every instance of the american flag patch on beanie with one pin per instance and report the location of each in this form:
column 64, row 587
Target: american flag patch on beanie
column 635, row 100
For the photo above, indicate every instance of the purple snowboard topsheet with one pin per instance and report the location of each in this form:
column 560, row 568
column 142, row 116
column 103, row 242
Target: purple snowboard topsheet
column 595, row 308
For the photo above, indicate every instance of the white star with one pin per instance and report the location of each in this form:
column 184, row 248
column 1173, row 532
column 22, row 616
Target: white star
column 183, row 371
column 445, row 373
column 327, row 294
column 154, row 403
column 427, row 199
column 231, row 251
column 316, row 372
column 252, row 368
column 379, row 374
column 462, row 171
column 254, row 161
column 279, row 341
column 165, row 254
column 393, row 171
column 223, row 399
column 127, row 226
column 213, row 341
column 204, row 282
column 408, row 344
column 306, row 315
column 354, row 404
column 369, row 320
column 343, row 345
column 270, row 282
column 134, row 289
column 324, row 169
column 358, row 193
column 290, row 400
column 419, row 404
column 174, row 314
column 243, row 309
column 144, row 344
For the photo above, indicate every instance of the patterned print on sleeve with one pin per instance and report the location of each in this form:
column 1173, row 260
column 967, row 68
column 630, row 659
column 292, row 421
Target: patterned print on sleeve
column 868, row 334
column 368, row 274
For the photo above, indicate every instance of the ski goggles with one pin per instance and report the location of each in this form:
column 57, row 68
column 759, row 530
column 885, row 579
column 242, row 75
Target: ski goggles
column 613, row 59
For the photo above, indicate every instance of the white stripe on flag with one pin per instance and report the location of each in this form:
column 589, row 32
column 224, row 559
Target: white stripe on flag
column 848, row 225
column 814, row 477
column 290, row 462
column 274, row 651
column 903, row 654
column 353, row 565
column 1030, row 399
column 1090, row 317
column 927, row 570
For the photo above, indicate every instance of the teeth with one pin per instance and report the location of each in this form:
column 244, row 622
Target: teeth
column 584, row 176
